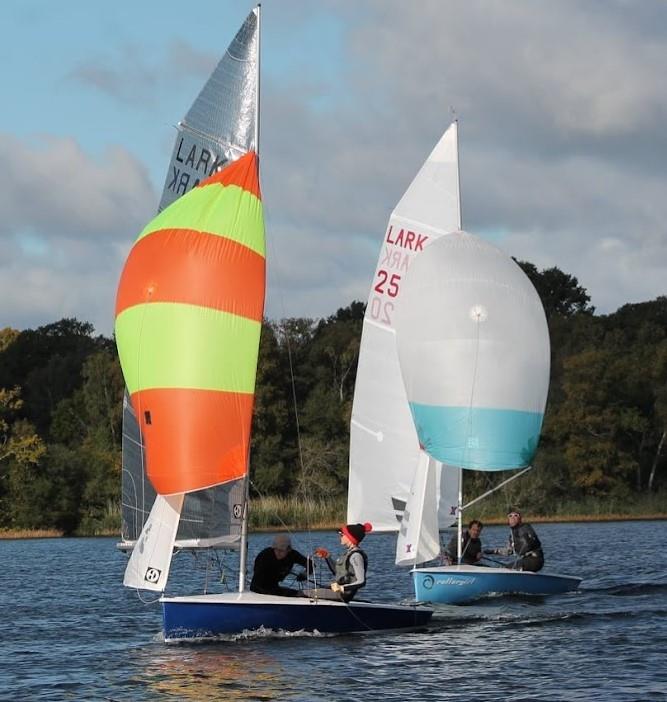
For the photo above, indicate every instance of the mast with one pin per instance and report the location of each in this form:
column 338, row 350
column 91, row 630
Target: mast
column 243, row 561
column 460, row 519
column 259, row 57
column 459, row 511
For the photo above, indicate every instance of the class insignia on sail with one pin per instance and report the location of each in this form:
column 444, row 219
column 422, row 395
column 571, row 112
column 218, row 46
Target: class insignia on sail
column 189, row 310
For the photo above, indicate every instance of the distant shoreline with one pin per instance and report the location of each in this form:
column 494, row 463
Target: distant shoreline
column 9, row 534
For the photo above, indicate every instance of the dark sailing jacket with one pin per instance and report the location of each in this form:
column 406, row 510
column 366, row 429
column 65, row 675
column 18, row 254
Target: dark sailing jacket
column 268, row 570
column 469, row 549
column 524, row 541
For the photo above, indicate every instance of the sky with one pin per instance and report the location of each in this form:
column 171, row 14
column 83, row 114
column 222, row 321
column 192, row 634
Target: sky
column 563, row 148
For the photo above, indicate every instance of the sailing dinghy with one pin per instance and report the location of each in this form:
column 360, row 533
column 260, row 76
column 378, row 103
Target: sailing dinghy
column 453, row 374
column 189, row 310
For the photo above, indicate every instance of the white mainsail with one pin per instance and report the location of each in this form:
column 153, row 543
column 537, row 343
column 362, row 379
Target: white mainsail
column 384, row 448
column 219, row 127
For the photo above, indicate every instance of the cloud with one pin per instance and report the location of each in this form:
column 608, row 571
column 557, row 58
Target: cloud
column 68, row 221
column 561, row 113
column 137, row 78
column 562, row 138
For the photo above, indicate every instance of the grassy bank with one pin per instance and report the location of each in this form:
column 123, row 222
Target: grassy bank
column 288, row 512
column 292, row 513
column 277, row 513
column 654, row 506
column 29, row 533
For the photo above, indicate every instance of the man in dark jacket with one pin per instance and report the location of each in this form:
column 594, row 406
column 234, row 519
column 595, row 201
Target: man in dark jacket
column 471, row 545
column 274, row 564
column 523, row 543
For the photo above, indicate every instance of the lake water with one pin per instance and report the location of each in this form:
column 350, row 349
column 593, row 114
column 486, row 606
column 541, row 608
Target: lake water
column 70, row 631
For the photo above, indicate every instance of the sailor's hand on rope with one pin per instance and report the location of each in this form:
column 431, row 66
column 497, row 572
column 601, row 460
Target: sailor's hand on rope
column 336, row 587
column 321, row 552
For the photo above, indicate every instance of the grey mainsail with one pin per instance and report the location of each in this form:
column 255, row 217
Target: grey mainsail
column 219, row 127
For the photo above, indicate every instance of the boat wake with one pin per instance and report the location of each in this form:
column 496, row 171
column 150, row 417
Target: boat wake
column 533, row 619
column 630, row 589
column 262, row 633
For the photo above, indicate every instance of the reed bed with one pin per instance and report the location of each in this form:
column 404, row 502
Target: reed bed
column 638, row 507
column 277, row 512
column 29, row 533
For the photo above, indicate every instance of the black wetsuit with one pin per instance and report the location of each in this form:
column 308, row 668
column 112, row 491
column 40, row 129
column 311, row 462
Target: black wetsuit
column 470, row 549
column 524, row 543
column 269, row 571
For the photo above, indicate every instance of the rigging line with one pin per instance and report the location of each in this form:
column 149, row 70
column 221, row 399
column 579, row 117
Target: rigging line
column 279, row 286
column 264, row 497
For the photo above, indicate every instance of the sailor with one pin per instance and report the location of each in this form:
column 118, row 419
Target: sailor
column 523, row 544
column 471, row 545
column 274, row 564
column 349, row 570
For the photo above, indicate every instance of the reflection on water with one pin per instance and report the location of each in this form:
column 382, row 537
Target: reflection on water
column 212, row 673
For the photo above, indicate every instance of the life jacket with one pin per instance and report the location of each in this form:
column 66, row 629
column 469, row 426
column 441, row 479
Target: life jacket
column 344, row 572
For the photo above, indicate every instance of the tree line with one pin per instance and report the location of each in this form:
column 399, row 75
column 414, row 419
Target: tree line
column 61, row 391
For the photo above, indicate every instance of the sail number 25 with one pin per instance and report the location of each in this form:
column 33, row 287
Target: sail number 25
column 385, row 284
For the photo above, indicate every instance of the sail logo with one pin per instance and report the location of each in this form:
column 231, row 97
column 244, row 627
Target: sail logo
column 190, row 164
column 400, row 246
column 152, row 575
column 407, row 239
column 455, row 581
column 237, row 511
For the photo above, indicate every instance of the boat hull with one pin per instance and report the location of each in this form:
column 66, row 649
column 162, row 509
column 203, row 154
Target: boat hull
column 461, row 584
column 211, row 616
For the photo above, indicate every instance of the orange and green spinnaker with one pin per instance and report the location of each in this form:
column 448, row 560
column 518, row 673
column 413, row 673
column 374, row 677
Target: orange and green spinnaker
column 189, row 311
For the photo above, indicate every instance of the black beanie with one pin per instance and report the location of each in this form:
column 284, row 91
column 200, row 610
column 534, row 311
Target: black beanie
column 356, row 532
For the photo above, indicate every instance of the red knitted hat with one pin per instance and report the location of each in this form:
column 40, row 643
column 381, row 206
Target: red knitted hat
column 356, row 532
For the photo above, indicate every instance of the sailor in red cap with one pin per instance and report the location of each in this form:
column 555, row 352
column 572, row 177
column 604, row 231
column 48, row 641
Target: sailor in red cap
column 349, row 569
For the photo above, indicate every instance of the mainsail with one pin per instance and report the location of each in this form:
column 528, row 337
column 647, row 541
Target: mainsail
column 219, row 128
column 384, row 447
column 189, row 312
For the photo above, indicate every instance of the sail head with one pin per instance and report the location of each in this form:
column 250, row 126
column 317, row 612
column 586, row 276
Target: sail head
column 221, row 124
